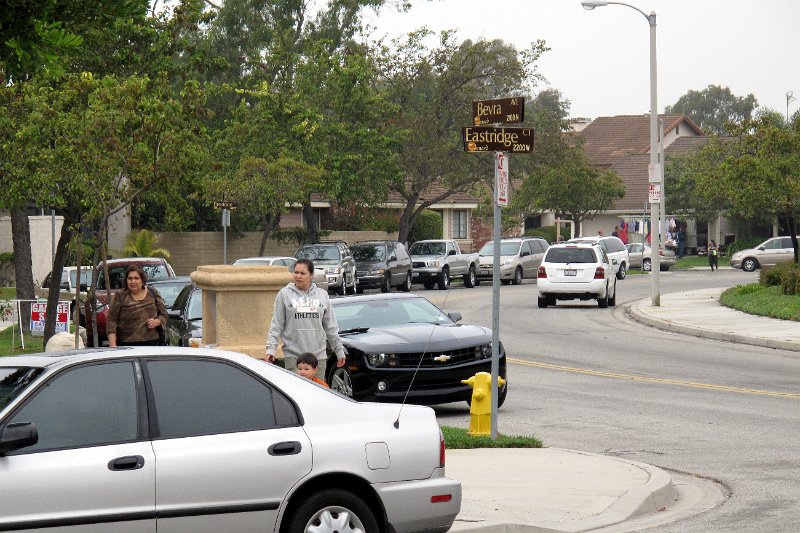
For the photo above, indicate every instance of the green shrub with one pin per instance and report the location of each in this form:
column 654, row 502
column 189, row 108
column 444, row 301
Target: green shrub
column 790, row 277
column 749, row 289
column 743, row 244
column 427, row 226
column 547, row 233
column 771, row 276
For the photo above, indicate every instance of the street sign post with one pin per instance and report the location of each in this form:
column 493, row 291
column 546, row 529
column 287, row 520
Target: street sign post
column 654, row 195
column 497, row 139
column 499, row 111
column 501, row 178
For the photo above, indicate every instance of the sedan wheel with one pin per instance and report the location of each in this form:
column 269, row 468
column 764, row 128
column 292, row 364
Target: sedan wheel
column 333, row 511
column 470, row 279
column 749, row 265
column 385, row 285
column 444, row 279
column 517, row 277
column 341, row 381
column 647, row 266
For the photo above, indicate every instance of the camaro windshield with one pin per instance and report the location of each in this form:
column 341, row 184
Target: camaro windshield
column 357, row 313
column 14, row 380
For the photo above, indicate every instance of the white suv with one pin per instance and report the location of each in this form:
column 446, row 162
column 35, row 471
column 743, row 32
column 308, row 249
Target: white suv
column 576, row 271
column 614, row 248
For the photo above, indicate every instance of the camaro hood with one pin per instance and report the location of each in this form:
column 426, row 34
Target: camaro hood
column 418, row 338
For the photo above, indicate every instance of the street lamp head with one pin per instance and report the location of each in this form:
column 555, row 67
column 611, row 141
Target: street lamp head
column 591, row 4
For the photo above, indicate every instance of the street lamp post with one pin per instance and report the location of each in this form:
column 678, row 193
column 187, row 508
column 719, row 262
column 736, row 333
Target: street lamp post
column 654, row 170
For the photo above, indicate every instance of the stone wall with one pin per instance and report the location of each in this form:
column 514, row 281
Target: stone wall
column 191, row 249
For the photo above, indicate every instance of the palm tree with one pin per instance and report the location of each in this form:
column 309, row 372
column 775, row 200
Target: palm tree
column 141, row 243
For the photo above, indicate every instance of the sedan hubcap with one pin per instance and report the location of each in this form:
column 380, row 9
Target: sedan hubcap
column 334, row 519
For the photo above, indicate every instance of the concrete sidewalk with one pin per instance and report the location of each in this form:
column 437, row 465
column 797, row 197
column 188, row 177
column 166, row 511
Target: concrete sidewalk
column 699, row 313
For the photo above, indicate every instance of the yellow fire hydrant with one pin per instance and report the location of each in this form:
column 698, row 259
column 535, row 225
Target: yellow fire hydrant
column 480, row 408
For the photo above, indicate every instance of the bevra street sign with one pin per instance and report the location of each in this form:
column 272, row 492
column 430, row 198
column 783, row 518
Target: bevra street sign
column 498, row 139
column 499, row 111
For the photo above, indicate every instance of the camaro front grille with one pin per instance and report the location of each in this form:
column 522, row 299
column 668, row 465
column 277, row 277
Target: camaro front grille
column 437, row 359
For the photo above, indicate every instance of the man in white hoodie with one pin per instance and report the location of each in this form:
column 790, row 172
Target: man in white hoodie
column 304, row 320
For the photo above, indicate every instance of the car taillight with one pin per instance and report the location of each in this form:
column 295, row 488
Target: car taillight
column 441, row 449
column 542, row 272
column 599, row 273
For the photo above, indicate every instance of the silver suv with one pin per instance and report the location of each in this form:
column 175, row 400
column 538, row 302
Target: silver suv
column 337, row 260
column 519, row 259
column 614, row 248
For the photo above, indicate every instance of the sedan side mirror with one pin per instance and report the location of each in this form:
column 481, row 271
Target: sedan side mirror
column 455, row 316
column 16, row 436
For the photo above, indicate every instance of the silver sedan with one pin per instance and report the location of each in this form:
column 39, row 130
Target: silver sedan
column 194, row 440
column 641, row 256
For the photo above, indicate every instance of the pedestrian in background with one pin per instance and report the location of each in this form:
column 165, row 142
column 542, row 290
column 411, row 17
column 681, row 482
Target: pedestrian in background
column 136, row 313
column 713, row 259
column 615, row 233
column 681, row 238
column 307, row 364
column 303, row 319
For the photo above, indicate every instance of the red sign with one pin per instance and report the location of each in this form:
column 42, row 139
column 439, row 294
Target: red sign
column 39, row 312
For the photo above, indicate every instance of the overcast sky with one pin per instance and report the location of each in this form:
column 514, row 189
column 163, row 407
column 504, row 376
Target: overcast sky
column 600, row 59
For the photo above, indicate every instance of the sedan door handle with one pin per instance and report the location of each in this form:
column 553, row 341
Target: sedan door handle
column 285, row 448
column 130, row 462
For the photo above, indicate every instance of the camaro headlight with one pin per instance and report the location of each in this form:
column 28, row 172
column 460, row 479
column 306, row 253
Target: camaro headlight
column 378, row 359
column 483, row 351
column 334, row 269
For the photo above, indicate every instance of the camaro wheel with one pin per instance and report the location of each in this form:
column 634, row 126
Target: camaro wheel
column 517, row 277
column 333, row 511
column 340, row 381
column 406, row 286
column 622, row 272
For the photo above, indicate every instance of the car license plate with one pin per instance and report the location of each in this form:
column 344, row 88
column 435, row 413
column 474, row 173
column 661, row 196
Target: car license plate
column 485, row 272
column 570, row 272
column 414, row 274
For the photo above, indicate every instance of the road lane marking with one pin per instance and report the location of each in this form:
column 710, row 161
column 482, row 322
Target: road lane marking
column 632, row 377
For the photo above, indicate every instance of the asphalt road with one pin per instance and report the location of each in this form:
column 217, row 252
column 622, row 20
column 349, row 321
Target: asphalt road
column 591, row 379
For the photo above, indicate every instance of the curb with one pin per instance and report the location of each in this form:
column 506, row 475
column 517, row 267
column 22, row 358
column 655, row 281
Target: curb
column 634, row 312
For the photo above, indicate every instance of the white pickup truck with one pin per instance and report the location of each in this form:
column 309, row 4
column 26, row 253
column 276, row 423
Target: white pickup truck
column 437, row 261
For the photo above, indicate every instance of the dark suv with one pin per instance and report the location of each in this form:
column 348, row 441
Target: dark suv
column 155, row 267
column 382, row 264
column 337, row 260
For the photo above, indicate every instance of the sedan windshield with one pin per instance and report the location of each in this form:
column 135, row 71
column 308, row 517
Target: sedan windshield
column 356, row 313
column 506, row 248
column 13, row 381
column 369, row 253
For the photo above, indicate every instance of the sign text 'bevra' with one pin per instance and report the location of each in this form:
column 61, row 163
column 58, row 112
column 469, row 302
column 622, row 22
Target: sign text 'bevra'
column 500, row 111
column 497, row 139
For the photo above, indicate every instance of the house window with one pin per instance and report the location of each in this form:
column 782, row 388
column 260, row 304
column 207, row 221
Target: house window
column 460, row 224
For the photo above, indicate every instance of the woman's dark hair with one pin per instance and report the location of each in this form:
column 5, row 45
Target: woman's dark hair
column 137, row 269
column 308, row 263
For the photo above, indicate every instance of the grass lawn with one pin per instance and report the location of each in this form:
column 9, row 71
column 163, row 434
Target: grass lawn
column 459, row 439
column 692, row 261
column 764, row 301
column 32, row 344
column 8, row 293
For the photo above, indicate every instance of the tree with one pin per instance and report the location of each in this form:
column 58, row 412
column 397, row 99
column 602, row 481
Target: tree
column 142, row 243
column 753, row 174
column 714, row 107
column 433, row 90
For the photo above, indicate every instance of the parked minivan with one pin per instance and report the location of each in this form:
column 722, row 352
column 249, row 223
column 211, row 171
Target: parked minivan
column 768, row 253
column 519, row 259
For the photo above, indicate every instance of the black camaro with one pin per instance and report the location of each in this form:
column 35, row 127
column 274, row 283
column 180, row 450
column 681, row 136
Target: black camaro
column 402, row 346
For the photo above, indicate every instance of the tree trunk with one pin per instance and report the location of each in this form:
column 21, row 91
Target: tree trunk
column 270, row 223
column 55, row 280
column 407, row 219
column 793, row 232
column 311, row 223
column 23, row 264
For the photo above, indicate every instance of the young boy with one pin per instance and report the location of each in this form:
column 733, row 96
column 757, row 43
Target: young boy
column 307, row 367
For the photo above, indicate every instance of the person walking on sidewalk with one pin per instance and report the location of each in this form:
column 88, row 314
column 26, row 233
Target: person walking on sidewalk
column 713, row 257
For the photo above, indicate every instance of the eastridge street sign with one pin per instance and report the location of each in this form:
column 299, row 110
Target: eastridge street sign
column 497, row 139
column 499, row 111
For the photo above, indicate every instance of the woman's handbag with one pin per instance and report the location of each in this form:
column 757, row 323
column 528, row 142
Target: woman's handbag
column 162, row 336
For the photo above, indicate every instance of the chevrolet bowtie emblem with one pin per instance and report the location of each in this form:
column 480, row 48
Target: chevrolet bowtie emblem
column 442, row 358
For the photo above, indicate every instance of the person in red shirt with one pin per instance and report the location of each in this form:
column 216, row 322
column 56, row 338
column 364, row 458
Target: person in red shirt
column 307, row 367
